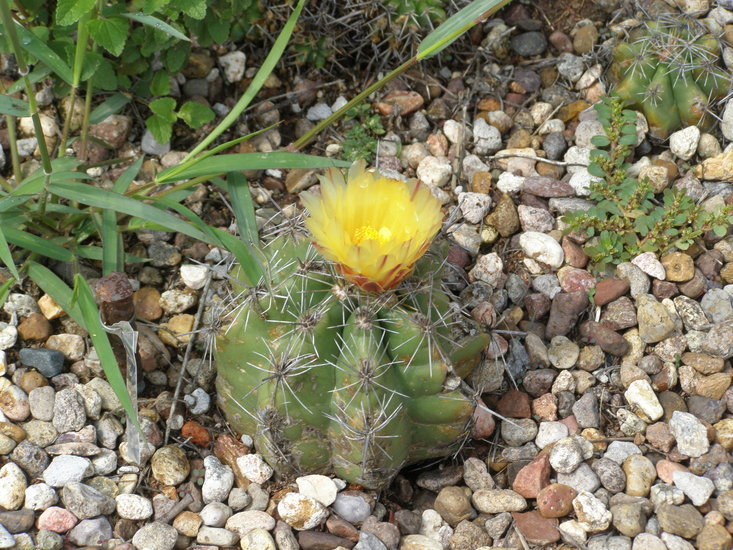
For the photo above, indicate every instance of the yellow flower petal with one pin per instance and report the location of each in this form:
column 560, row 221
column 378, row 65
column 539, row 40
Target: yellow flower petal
column 374, row 228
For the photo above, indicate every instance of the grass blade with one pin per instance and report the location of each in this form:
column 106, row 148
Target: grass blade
column 12, row 106
column 37, row 244
column 90, row 314
column 156, row 23
column 103, row 198
column 222, row 164
column 110, row 106
column 244, row 210
column 456, row 25
column 35, row 46
column 6, row 256
column 272, row 59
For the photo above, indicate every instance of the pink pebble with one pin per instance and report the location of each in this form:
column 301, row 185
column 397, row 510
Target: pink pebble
column 56, row 519
column 665, row 469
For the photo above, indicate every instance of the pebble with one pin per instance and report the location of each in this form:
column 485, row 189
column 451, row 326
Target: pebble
column 40, row 496
column 641, row 394
column 243, row 522
column 66, row 469
column 12, row 486
column 592, row 514
column 216, row 536
column 542, row 248
column 257, row 539
column 86, row 502
column 556, row 500
column 302, row 512
column 254, row 468
column 215, row 514
column 419, row 542
column 353, row 508
column 319, row 487
column 133, row 507
column 90, row 532
column 684, row 520
column 6, row 539
column 48, row 362
column 151, row 146
column 690, row 434
column 611, row 475
column 550, row 432
column 170, row 465
column 528, row 44
column 155, row 536
column 683, row 143
column 474, row 206
column 568, row 453
column 68, row 411
column 56, row 519
column 233, row 65
column 434, row 171
column 494, row 501
column 218, row 480
column 640, row 474
column 697, row 489
column 583, row 478
column 453, row 505
column 14, row 403
column 518, row 431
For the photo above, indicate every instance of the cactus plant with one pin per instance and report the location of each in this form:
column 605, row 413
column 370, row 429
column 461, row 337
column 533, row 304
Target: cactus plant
column 669, row 71
column 349, row 357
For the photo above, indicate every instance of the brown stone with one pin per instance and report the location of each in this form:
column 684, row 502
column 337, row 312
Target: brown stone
column 604, row 337
column 666, row 469
column 399, row 102
column 546, row 187
column 660, row 436
column 556, row 500
column 504, row 217
column 695, row 287
column 713, row 386
column 664, row 289
column 572, row 110
column 35, row 327
column 574, row 255
column 703, row 363
column 714, row 537
column 535, row 528
column 342, row 528
column 620, row 313
column 573, row 278
column 533, row 477
column 228, row 449
column 564, row 312
column 514, row 404
column 536, row 305
column 609, row 289
column 147, row 304
column 32, row 380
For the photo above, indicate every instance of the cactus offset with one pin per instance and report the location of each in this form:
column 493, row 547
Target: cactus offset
column 669, row 71
column 329, row 377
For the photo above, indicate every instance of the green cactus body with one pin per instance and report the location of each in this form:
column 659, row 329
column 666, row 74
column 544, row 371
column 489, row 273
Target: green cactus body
column 328, row 378
column 668, row 70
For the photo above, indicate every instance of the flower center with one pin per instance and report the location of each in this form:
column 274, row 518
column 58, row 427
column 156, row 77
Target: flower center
column 368, row 233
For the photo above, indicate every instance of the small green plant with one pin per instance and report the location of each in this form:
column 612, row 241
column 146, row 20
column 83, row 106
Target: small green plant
column 360, row 140
column 669, row 69
column 628, row 218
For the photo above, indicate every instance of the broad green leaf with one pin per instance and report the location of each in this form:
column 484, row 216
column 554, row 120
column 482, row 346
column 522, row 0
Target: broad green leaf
column 196, row 9
column 103, row 198
column 164, row 107
column 69, row 12
column 6, row 256
column 222, row 164
column 13, row 106
column 149, row 6
column 110, row 33
column 600, row 141
column 195, row 114
column 627, row 139
column 456, row 25
column 110, row 106
column 161, row 129
column 156, row 23
column 160, row 83
column 38, row 49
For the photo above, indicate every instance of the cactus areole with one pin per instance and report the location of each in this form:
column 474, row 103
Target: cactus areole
column 669, row 70
column 350, row 357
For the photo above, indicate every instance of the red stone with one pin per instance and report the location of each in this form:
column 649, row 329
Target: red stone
column 196, row 433
column 399, row 102
column 537, row 305
column 514, row 404
column 537, row 529
column 605, row 337
column 56, row 519
column 533, row 477
column 576, row 279
column 556, row 500
column 660, row 436
column 571, row 423
column 609, row 289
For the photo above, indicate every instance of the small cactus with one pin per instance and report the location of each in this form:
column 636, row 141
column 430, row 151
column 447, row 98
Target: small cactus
column 669, row 71
column 350, row 357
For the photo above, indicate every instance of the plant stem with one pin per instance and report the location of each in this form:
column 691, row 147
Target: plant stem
column 325, row 123
column 82, row 35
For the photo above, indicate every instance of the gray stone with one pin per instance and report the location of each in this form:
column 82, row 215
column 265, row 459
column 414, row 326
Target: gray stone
column 611, row 475
column 90, row 532
column 68, row 411
column 155, row 536
column 86, row 502
column 352, row 508
column 66, row 469
column 583, row 478
column 150, row 146
column 586, row 411
column 690, row 433
column 49, row 362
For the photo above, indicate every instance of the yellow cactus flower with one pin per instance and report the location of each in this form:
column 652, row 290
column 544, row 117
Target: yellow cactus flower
column 372, row 227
